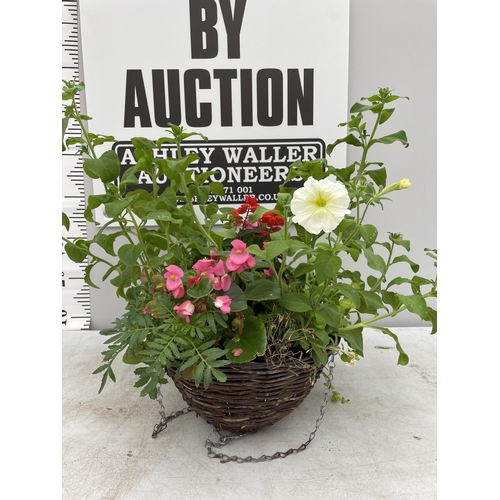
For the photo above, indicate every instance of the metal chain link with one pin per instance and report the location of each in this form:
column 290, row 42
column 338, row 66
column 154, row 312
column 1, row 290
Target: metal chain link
column 164, row 419
column 228, row 438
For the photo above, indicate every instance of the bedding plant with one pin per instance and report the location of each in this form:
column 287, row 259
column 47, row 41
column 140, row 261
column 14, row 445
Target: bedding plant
column 208, row 285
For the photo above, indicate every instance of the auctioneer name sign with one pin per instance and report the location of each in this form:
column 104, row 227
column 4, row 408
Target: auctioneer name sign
column 265, row 81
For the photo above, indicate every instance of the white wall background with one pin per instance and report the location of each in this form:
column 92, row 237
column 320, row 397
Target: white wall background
column 392, row 44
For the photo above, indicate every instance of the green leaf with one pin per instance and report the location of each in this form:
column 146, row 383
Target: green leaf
column 373, row 260
column 322, row 336
column 390, row 298
column 344, row 174
column 398, row 281
column 201, row 289
column 198, row 373
column 327, row 266
column 96, row 200
column 133, row 356
column 238, row 301
column 359, row 107
column 99, row 370
column 103, row 380
column 262, row 290
column 108, row 243
column 217, row 188
column 124, row 278
column 180, row 165
column 296, row 302
column 303, row 268
column 354, row 338
column 398, row 240
column 87, row 277
column 274, row 248
column 378, row 176
column 319, row 356
column 331, row 315
column 74, row 252
column 349, row 292
column 65, row 221
column 371, row 300
column 403, row 357
column 106, row 168
column 396, row 137
column 350, row 139
column 188, row 363
column 115, row 208
column 220, row 376
column 252, row 341
column 415, row 304
column 144, row 164
column 432, row 317
column 258, row 252
column 403, row 258
column 203, row 194
column 369, row 233
column 161, row 215
column 129, row 253
column 385, row 115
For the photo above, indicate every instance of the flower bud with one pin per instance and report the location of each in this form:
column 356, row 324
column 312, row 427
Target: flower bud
column 214, row 253
column 158, row 281
column 402, row 184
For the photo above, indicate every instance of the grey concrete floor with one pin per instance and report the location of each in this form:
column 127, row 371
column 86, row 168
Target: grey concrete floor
column 381, row 444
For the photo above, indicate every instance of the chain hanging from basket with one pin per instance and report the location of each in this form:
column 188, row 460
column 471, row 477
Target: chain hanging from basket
column 226, row 438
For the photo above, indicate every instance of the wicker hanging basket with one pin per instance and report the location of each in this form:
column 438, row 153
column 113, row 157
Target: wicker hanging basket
column 255, row 395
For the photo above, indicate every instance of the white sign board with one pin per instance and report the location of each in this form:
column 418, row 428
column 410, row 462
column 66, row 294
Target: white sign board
column 265, row 81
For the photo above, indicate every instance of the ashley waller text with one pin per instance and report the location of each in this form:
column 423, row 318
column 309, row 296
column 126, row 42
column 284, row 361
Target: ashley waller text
column 253, row 167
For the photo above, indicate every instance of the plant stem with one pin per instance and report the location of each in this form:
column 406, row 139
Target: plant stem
column 83, row 128
column 367, row 322
column 189, row 203
column 283, row 260
column 382, row 276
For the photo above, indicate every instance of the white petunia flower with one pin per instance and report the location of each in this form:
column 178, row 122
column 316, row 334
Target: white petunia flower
column 320, row 205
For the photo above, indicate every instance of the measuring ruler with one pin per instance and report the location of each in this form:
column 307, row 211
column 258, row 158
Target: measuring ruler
column 75, row 292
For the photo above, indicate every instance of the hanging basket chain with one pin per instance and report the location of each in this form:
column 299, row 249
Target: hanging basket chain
column 164, row 419
column 228, row 438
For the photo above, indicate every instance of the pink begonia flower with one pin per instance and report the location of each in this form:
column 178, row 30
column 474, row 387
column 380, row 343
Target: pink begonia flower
column 204, row 268
column 237, row 352
column 185, row 310
column 178, row 293
column 194, row 281
column 173, row 276
column 239, row 253
column 222, row 280
column 239, row 259
column 219, row 268
column 269, row 272
column 223, row 303
column 203, row 265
